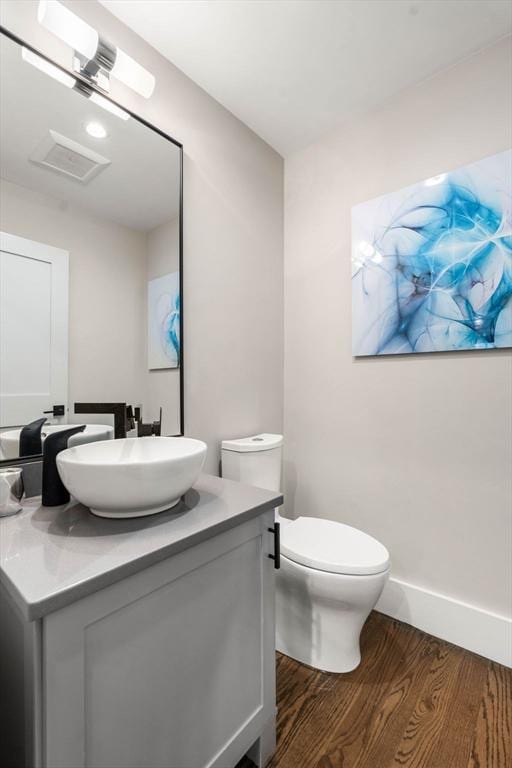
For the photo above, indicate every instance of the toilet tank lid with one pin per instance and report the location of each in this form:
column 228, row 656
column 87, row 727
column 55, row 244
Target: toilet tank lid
column 262, row 442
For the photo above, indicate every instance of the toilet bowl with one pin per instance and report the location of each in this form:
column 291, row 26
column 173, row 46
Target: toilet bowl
column 331, row 574
column 330, row 579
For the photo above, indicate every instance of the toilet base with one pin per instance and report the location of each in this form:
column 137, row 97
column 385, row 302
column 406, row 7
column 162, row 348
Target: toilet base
column 340, row 669
column 320, row 615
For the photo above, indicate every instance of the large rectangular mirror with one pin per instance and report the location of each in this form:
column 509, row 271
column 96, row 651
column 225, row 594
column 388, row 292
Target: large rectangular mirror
column 90, row 263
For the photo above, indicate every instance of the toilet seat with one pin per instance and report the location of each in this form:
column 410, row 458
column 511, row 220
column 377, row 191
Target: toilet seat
column 326, row 545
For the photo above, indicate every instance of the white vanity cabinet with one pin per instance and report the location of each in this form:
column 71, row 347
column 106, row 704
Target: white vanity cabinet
column 170, row 667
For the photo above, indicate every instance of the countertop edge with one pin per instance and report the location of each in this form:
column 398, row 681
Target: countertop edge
column 55, row 602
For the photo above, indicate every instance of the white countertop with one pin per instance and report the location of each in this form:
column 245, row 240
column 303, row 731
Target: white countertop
column 52, row 556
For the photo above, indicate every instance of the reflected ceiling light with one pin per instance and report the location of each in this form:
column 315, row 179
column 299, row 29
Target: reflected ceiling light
column 96, row 130
column 47, row 68
column 95, row 57
column 435, row 180
column 104, row 103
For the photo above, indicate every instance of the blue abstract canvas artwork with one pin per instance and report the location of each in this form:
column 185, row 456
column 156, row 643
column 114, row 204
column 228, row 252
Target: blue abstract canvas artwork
column 432, row 264
column 164, row 322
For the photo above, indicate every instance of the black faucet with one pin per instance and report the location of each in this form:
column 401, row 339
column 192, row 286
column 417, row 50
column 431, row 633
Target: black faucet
column 122, row 420
column 145, row 430
column 30, row 439
column 54, row 490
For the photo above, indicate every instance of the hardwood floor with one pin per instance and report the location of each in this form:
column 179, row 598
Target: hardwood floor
column 415, row 701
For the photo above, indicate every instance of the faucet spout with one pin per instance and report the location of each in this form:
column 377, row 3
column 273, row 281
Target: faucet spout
column 54, row 490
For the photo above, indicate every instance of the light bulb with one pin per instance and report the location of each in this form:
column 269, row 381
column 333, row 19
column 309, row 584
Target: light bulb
column 106, row 104
column 47, row 68
column 133, row 74
column 70, row 28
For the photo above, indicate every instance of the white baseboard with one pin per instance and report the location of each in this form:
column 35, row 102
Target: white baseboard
column 482, row 632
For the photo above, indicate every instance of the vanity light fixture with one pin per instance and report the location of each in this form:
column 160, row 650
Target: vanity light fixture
column 96, row 130
column 100, row 101
column 47, row 68
column 95, row 58
column 70, row 82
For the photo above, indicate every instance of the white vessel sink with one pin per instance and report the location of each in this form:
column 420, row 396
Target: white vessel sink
column 10, row 440
column 131, row 477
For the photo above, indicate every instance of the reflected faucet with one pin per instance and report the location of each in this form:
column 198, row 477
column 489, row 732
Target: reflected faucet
column 146, row 430
column 31, row 443
column 123, row 415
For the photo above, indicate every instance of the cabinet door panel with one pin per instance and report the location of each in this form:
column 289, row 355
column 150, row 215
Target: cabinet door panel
column 168, row 673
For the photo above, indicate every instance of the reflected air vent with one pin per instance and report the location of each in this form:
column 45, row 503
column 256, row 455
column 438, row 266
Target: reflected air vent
column 68, row 157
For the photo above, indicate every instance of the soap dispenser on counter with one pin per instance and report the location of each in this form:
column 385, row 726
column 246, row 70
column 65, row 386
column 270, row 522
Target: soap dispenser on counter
column 54, row 490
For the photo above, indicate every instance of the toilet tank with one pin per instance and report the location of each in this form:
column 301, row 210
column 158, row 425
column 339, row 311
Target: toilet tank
column 254, row 460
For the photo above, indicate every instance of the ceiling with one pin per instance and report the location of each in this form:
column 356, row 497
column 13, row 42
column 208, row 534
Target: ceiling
column 294, row 69
column 139, row 189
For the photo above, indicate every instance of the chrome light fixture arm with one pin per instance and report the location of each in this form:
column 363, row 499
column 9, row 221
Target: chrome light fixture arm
column 97, row 70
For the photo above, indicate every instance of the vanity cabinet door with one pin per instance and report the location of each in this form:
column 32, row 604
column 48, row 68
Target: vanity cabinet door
column 172, row 667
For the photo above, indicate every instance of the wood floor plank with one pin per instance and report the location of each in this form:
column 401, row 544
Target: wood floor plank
column 414, row 702
column 394, row 708
column 492, row 740
column 360, row 733
column 302, row 741
column 417, row 748
column 456, row 737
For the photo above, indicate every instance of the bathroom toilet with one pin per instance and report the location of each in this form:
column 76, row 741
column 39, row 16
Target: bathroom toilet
column 331, row 574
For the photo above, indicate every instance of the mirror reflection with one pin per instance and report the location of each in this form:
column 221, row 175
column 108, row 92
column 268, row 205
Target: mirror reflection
column 90, row 264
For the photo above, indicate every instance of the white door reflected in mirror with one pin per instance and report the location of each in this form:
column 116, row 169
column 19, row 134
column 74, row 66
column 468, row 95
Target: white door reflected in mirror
column 33, row 328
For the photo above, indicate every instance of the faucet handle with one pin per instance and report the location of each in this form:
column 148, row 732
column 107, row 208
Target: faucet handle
column 130, row 420
column 157, row 425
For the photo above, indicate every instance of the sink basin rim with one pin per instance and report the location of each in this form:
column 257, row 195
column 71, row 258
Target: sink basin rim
column 80, row 454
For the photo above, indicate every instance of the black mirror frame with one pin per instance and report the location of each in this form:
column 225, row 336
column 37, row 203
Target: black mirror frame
column 11, row 36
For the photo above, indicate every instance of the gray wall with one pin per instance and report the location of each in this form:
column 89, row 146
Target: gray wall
column 413, row 449
column 233, row 208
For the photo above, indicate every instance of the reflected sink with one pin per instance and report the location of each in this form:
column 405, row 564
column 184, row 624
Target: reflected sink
column 133, row 476
column 10, row 440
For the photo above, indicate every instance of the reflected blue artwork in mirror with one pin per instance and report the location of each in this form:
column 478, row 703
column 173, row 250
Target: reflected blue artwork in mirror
column 432, row 264
column 164, row 322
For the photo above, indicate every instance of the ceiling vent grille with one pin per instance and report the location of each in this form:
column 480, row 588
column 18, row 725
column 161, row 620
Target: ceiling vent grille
column 65, row 156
